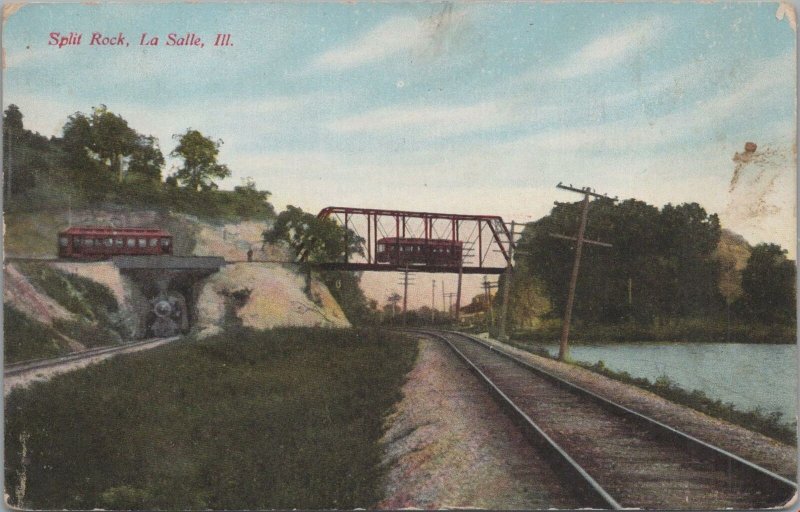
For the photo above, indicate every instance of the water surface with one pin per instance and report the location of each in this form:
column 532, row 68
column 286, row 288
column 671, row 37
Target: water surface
column 748, row 375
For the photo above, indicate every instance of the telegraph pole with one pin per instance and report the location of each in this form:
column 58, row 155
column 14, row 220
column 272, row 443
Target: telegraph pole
column 433, row 298
column 458, row 292
column 507, row 285
column 563, row 349
column 487, row 287
column 405, row 284
column 464, row 249
column 450, row 296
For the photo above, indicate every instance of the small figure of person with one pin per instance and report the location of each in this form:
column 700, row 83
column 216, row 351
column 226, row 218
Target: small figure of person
column 250, row 254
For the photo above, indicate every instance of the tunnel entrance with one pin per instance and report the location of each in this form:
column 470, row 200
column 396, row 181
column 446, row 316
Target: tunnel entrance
column 169, row 284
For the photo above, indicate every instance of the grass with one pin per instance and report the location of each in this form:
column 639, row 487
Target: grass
column 288, row 418
column 25, row 339
column 684, row 330
column 32, row 235
column 94, row 304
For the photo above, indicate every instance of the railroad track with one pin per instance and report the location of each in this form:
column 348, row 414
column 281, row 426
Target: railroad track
column 611, row 456
column 23, row 367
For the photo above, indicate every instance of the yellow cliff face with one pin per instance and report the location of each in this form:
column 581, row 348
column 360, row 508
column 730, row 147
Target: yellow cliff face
column 232, row 241
column 276, row 299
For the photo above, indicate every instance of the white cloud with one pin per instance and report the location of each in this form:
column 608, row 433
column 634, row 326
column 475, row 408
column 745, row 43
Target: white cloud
column 611, row 49
column 428, row 120
column 392, row 37
column 388, row 38
column 603, row 53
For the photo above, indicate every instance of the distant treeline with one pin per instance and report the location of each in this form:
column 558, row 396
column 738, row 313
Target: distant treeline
column 100, row 160
column 665, row 266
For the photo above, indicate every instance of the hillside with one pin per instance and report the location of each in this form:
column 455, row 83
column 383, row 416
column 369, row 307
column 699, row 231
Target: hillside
column 732, row 254
column 58, row 307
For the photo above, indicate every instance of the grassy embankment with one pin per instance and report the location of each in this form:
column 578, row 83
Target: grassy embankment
column 684, row 330
column 246, row 420
column 93, row 305
column 769, row 424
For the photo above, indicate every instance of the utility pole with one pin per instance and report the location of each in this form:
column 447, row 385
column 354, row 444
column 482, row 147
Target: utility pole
column 487, row 287
column 464, row 250
column 405, row 290
column 507, row 285
column 458, row 289
column 450, row 296
column 405, row 282
column 444, row 306
column 563, row 349
column 433, row 298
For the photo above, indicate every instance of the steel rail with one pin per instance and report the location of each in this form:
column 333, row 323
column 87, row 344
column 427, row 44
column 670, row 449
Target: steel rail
column 625, row 411
column 37, row 364
column 776, row 485
column 596, row 496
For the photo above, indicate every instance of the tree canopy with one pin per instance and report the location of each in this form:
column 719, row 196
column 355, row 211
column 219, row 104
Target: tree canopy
column 661, row 264
column 101, row 159
column 768, row 285
column 103, row 151
column 200, row 166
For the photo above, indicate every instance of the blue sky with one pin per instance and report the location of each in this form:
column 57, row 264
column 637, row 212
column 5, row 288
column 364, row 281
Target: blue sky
column 470, row 108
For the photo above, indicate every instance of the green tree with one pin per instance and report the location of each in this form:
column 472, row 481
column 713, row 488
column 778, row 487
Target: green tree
column 200, row 166
column 102, row 151
column 112, row 140
column 325, row 241
column 661, row 263
column 251, row 202
column 319, row 240
column 768, row 285
column 690, row 274
column 29, row 160
column 146, row 161
column 15, row 179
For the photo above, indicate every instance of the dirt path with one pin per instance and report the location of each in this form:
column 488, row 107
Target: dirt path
column 450, row 445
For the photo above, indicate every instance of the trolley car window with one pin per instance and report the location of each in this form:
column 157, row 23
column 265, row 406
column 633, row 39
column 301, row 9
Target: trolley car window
column 108, row 242
column 118, row 242
column 142, row 242
column 131, row 242
column 76, row 242
column 62, row 241
column 153, row 242
column 165, row 242
column 88, row 242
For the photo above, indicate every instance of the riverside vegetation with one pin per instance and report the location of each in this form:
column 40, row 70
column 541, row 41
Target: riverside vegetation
column 287, row 418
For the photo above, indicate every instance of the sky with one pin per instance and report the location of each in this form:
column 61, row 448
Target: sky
column 473, row 108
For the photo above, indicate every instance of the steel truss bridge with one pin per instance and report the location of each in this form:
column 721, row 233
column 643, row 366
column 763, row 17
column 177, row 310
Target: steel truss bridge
column 486, row 239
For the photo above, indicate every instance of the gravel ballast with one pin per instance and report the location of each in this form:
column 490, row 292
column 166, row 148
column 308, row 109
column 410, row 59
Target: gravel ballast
column 449, row 445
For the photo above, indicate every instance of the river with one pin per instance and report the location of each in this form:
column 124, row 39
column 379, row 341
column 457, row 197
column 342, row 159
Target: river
column 748, row 375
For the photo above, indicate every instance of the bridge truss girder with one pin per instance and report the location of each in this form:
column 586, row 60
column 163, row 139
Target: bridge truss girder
column 481, row 235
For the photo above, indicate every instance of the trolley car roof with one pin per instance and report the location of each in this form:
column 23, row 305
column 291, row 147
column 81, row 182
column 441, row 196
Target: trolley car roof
column 111, row 231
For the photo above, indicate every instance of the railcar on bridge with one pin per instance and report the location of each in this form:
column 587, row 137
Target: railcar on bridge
column 418, row 251
column 102, row 242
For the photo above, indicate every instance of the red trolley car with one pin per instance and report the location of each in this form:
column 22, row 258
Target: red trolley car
column 96, row 243
column 418, row 251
